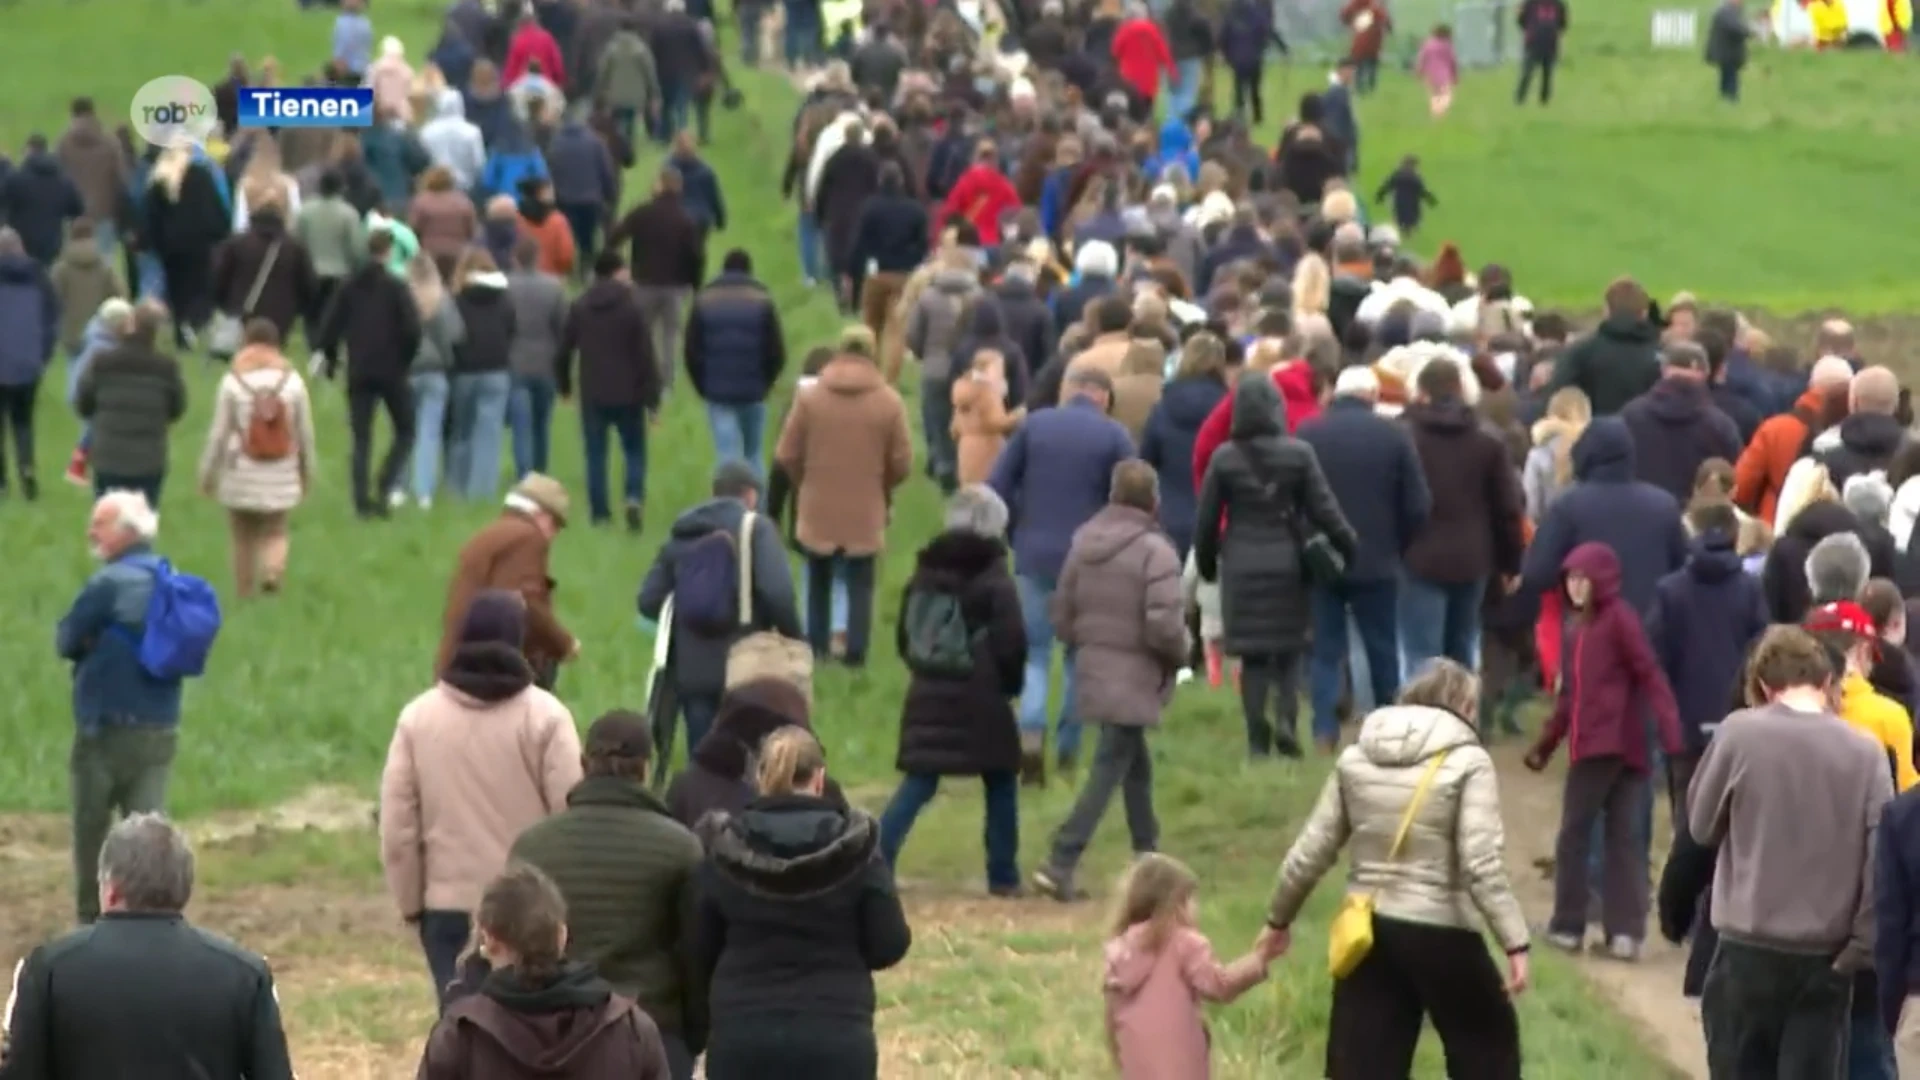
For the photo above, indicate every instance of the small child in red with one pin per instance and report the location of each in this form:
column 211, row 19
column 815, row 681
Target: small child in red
column 1609, row 678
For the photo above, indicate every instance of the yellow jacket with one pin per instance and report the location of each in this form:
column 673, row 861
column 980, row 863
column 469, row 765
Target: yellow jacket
column 1885, row 721
column 1829, row 19
column 1895, row 15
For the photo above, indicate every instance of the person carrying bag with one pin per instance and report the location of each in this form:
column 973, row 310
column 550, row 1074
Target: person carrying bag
column 764, row 654
column 226, row 335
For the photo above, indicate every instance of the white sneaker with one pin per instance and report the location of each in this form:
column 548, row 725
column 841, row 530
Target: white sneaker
column 1183, row 676
column 1622, row 947
column 426, row 502
column 396, row 499
column 316, row 364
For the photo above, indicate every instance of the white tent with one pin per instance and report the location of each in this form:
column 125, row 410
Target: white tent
column 1793, row 26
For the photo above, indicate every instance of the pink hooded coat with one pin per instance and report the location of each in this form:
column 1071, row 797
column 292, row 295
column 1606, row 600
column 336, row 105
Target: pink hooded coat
column 1153, row 1001
column 1437, row 65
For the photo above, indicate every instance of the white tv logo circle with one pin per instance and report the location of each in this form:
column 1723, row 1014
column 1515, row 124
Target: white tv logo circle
column 175, row 111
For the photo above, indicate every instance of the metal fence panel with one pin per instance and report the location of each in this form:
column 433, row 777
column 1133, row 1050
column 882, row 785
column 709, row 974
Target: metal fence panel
column 1483, row 34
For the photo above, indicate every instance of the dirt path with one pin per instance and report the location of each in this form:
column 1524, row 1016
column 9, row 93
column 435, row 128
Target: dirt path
column 1648, row 993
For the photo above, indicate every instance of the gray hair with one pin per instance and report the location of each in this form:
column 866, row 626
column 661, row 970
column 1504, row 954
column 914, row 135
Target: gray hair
column 1837, row 568
column 131, row 512
column 147, row 860
column 1685, row 356
column 977, row 509
column 1869, row 496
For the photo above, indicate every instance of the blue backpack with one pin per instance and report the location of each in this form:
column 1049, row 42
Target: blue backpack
column 183, row 618
column 706, row 586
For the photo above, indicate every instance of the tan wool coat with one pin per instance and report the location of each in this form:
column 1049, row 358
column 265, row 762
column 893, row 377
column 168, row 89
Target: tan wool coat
column 981, row 424
column 846, row 446
column 236, row 480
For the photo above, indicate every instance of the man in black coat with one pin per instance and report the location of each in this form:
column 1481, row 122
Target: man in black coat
column 373, row 318
column 1620, row 360
column 877, row 64
column 619, row 382
column 669, row 261
column 685, row 63
column 1542, row 22
column 38, row 199
column 890, row 241
column 142, row 992
column 1869, row 437
column 1241, row 241
column 735, row 350
column 1376, row 476
column 1028, row 320
column 1676, row 426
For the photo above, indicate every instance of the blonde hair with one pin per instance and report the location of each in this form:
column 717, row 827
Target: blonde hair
column 1338, row 205
column 1155, row 891
column 1202, row 355
column 170, row 170
column 1312, row 285
column 1444, row 684
column 1569, row 411
column 1266, row 354
column 788, row 761
column 424, row 281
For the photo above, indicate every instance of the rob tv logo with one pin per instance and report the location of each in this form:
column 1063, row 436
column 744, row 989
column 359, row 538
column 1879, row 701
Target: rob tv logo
column 175, row 111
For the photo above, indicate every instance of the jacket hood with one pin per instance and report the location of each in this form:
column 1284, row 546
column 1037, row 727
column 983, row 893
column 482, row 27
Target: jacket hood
column 1112, row 530
column 702, row 518
column 748, row 714
column 574, row 987
column 1628, row 329
column 1402, row 735
column 959, row 556
column 487, row 672
column 1257, row 408
column 539, row 1023
column 1715, row 558
column 449, row 106
column 1604, row 452
column 851, row 375
column 792, row 846
column 1597, row 563
column 81, row 253
column 955, row 282
column 1176, row 138
column 988, row 325
column 1677, row 402
column 1131, row 957
column 18, row 269
column 1874, row 436
column 40, row 164
column 1448, row 416
column 1189, row 401
column 606, row 295
column 534, row 210
column 1821, row 519
column 485, row 282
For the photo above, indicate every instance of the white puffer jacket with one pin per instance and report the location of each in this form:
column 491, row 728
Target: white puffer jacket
column 1454, row 861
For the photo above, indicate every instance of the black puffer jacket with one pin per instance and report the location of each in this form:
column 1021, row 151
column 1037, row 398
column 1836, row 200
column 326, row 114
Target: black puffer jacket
column 1784, row 575
column 131, row 394
column 1262, row 495
column 1861, row 443
column 964, row 727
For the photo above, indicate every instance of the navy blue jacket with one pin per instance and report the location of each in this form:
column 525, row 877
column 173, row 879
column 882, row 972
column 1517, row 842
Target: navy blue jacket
column 1071, row 302
column 1239, row 243
column 100, row 634
column 1167, row 445
column 1704, row 617
column 38, row 199
column 1640, row 522
column 1054, row 474
column 698, row 663
column 891, row 233
column 734, row 345
column 1377, row 478
column 1675, row 427
column 700, row 193
column 581, row 168
column 29, row 320
column 1028, row 320
column 1896, row 905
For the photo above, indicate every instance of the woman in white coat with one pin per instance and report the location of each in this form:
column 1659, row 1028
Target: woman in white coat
column 259, row 458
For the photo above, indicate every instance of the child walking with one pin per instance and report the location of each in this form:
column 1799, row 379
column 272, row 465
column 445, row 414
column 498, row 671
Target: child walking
column 1160, row 967
column 1411, row 197
column 1439, row 68
column 981, row 422
column 1607, row 680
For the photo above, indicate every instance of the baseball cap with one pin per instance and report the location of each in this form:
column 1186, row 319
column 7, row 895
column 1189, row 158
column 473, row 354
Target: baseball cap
column 1843, row 616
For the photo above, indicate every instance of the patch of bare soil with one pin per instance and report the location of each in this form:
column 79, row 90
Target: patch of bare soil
column 1647, row 992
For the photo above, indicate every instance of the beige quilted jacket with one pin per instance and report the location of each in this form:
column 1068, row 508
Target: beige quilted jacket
column 1454, row 861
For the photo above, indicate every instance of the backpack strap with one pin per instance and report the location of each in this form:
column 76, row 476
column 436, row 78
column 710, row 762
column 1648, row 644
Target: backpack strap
column 260, row 280
column 745, row 557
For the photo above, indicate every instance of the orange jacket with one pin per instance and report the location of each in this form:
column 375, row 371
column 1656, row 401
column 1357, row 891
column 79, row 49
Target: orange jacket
column 1763, row 465
column 555, row 238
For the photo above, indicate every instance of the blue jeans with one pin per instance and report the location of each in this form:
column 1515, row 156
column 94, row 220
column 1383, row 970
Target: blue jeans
column 629, row 424
column 443, row 937
column 583, row 221
column 803, row 36
column 698, row 713
column 153, row 276
column 1035, row 594
column 530, row 414
column 429, row 419
column 738, row 432
column 75, row 369
column 749, row 16
column 839, row 616
column 1374, row 608
column 676, row 103
column 479, row 403
column 936, row 419
column 1002, row 836
column 1181, row 99
column 1439, row 620
column 810, row 259
column 1869, row 1050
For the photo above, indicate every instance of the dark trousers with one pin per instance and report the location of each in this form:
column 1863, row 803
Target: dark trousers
column 936, row 419
column 1246, row 94
column 324, row 291
column 1730, row 82
column 697, row 712
column 16, row 414
column 443, row 937
column 146, row 485
column 1416, row 973
column 1122, row 761
column 1528, row 66
column 1504, row 662
column 121, row 769
column 1680, row 770
column 1366, row 75
column 759, row 1045
column 858, row 571
column 397, row 399
column 1374, row 605
column 1002, row 832
column 1274, row 678
column 629, row 424
column 1774, row 1014
column 1601, row 788
column 584, row 220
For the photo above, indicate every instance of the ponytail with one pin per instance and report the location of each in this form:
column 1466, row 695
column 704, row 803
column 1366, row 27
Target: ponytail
column 788, row 761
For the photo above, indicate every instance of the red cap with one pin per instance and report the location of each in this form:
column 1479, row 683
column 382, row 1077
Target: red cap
column 1844, row 615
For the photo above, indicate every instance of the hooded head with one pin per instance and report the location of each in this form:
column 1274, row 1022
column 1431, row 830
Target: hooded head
column 495, row 617
column 1837, row 568
column 1599, row 565
column 1257, row 408
column 747, row 715
column 449, row 105
column 1604, row 452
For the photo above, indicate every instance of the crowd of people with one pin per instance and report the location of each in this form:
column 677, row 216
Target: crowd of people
column 1197, row 419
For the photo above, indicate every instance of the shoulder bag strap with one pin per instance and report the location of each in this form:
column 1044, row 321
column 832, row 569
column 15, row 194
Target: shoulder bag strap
column 1413, row 807
column 746, row 570
column 260, row 280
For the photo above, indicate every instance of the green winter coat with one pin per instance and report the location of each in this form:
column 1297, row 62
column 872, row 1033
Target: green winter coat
column 83, row 280
column 628, row 77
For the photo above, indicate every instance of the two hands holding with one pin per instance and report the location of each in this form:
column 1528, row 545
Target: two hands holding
column 1274, row 941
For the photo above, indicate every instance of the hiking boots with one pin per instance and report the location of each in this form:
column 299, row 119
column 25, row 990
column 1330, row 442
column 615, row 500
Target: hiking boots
column 29, row 484
column 1033, row 760
column 1058, row 885
column 634, row 521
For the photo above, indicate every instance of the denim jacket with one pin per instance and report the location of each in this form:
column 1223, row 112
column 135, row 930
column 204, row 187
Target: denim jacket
column 101, row 635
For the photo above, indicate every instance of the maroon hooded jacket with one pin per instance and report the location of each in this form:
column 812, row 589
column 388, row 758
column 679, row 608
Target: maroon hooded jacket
column 1609, row 676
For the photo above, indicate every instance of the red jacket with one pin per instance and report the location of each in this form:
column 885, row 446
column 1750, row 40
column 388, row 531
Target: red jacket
column 1295, row 381
column 1140, row 53
column 532, row 42
column 981, row 195
column 1610, row 676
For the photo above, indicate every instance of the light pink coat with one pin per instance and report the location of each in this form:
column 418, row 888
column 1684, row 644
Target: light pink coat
column 1153, row 1001
column 1437, row 65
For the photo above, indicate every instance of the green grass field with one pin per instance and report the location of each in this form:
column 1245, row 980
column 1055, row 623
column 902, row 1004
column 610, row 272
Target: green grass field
column 1635, row 168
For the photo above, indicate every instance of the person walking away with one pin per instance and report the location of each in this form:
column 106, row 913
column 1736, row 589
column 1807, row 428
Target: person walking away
column 260, row 456
column 442, row 216
column 719, row 769
column 99, row 170
column 735, row 352
column 1611, row 677
column 963, row 639
column 1620, row 360
column 186, row 216
column 1471, row 541
column 585, row 185
column 1375, row 473
column 1263, row 500
column 1160, row 967
column 669, row 260
column 106, row 330
column 89, row 1002
column 353, row 39
column 474, row 761
column 1055, row 474
column 699, row 186
column 788, row 933
column 1548, row 471
column 1199, row 384
column 1727, row 36
column 1542, row 23
column 1849, row 633
column 981, row 422
column 1370, row 24
column 1866, row 441
column 126, row 718
column 682, row 60
column 705, row 543
column 531, row 42
column 38, row 198
column 1190, row 41
column 1792, row 888
column 539, row 302
column 1439, row 68
column 1140, row 55
column 1246, row 32
column 453, row 143
column 626, row 872
column 514, row 553
column 539, row 221
column 1760, row 473
column 934, row 326
column 628, row 81
column 1676, row 426
column 877, row 64
column 620, row 383
column 847, row 448
column 131, row 395
column 265, row 273
column 522, row 1007
column 481, row 382
column 1895, row 869
column 30, row 330
column 83, row 279
column 1120, row 610
column 335, row 239
column 378, row 324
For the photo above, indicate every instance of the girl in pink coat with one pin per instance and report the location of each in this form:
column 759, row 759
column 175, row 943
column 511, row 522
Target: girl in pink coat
column 1439, row 68
column 1159, row 969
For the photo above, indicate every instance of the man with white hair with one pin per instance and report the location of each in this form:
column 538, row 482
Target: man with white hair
column 1870, row 436
column 143, row 992
column 126, row 720
column 1761, row 473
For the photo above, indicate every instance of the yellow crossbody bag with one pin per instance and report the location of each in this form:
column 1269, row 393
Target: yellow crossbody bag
column 1350, row 935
